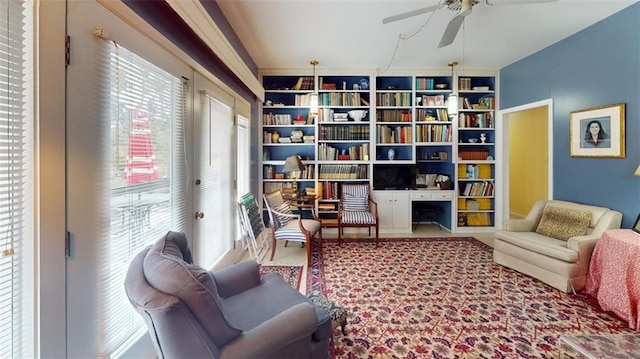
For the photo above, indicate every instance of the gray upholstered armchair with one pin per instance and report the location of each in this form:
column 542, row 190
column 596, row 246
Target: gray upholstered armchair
column 232, row 313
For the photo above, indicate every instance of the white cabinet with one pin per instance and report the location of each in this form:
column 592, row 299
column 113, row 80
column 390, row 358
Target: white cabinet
column 394, row 211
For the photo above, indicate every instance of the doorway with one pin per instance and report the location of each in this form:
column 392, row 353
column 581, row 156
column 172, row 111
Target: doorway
column 524, row 158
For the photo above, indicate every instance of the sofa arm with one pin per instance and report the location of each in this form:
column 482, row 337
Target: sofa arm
column 519, row 225
column 293, row 324
column 237, row 278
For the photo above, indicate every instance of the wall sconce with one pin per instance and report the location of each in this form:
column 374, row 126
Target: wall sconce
column 313, row 98
column 637, row 171
column 452, row 100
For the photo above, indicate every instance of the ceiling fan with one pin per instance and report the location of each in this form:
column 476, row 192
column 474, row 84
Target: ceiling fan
column 462, row 9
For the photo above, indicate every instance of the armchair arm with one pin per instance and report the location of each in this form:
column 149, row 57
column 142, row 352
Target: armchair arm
column 519, row 225
column 293, row 324
column 529, row 223
column 373, row 205
column 237, row 278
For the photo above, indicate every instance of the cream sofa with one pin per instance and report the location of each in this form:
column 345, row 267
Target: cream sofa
column 560, row 263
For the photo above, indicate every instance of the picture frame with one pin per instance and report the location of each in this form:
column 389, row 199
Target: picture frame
column 598, row 132
column 636, row 226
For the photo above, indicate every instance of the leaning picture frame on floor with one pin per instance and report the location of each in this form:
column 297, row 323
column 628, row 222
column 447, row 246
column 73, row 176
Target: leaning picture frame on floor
column 598, row 132
column 636, row 226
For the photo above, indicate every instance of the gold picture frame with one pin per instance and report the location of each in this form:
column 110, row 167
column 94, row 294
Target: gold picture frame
column 598, row 132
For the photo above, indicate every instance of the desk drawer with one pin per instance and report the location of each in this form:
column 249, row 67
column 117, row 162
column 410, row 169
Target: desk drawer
column 431, row 195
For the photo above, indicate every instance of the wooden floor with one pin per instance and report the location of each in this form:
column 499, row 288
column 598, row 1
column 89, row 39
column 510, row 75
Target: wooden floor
column 295, row 253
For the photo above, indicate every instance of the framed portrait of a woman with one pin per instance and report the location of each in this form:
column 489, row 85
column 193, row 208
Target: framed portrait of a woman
column 598, row 132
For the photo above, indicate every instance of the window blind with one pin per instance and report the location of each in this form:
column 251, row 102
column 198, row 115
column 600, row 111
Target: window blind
column 243, row 157
column 217, row 172
column 147, row 177
column 17, row 285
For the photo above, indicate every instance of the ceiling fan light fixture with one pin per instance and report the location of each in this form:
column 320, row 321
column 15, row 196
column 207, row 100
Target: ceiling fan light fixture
column 313, row 98
column 452, row 100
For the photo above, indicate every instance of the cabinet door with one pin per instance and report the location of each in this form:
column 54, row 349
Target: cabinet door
column 401, row 208
column 385, row 208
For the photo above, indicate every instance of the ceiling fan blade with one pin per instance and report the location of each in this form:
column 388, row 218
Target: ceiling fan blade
column 451, row 31
column 411, row 13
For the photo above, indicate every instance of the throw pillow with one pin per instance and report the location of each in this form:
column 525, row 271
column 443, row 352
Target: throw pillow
column 283, row 208
column 166, row 270
column 563, row 223
column 354, row 204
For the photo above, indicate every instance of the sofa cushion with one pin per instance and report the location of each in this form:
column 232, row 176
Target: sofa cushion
column 538, row 243
column 166, row 270
column 563, row 223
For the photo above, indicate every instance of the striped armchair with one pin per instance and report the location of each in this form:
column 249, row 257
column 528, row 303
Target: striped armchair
column 357, row 209
column 287, row 226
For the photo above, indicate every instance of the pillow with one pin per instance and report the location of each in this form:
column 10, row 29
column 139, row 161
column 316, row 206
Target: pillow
column 166, row 270
column 563, row 223
column 354, row 204
column 286, row 209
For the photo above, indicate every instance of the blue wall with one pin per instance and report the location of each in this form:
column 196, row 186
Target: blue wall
column 596, row 67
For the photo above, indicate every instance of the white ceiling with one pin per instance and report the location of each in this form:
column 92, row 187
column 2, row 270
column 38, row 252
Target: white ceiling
column 348, row 34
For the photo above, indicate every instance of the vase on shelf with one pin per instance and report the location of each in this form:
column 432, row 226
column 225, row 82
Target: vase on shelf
column 275, row 137
column 391, row 154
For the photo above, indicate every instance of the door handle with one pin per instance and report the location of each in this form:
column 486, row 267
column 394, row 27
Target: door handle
column 199, row 215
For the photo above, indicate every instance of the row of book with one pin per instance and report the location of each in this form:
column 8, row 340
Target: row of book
column 328, row 190
column 354, row 153
column 346, row 171
column 478, row 189
column 277, row 186
column 475, row 219
column 433, row 133
column 398, row 134
column 479, row 120
column 425, row 83
column 270, row 119
column 435, row 100
column 270, row 172
column 393, row 116
column 304, row 83
column 344, row 133
column 432, row 114
column 393, row 99
column 342, row 99
column 484, row 103
column 302, row 100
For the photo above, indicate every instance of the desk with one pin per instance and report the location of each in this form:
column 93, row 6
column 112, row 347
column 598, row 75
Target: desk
column 614, row 274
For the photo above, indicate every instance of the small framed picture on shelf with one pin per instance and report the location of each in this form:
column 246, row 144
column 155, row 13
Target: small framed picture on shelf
column 636, row 226
column 598, row 132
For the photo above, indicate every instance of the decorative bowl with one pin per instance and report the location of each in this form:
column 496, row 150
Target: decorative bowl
column 357, row 115
column 441, row 86
column 473, row 140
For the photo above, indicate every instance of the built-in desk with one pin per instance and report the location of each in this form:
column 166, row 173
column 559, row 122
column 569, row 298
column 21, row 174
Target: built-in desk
column 396, row 208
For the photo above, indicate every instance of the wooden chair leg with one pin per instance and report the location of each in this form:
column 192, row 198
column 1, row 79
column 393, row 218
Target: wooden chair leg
column 273, row 245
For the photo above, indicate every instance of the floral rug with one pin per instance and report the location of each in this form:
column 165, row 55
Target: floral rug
column 290, row 274
column 445, row 298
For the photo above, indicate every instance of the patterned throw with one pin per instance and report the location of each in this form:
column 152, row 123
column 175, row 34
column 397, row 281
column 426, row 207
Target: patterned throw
column 291, row 274
column 445, row 298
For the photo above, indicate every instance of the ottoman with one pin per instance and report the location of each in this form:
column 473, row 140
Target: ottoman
column 337, row 313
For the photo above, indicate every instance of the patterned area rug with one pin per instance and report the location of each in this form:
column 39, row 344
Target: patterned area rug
column 291, row 274
column 445, row 298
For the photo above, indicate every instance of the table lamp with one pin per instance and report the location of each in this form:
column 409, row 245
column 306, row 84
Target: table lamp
column 293, row 165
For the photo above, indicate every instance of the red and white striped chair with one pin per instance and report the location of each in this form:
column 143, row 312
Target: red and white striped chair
column 287, row 226
column 357, row 209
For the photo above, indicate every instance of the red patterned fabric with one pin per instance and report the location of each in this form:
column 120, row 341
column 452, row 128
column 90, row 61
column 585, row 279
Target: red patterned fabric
column 614, row 274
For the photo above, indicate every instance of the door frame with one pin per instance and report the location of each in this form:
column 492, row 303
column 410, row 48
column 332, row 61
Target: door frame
column 502, row 156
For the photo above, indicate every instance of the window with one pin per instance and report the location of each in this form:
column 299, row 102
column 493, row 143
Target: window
column 17, row 284
column 146, row 178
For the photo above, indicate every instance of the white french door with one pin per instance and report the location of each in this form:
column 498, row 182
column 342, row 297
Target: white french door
column 126, row 170
column 214, row 228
